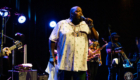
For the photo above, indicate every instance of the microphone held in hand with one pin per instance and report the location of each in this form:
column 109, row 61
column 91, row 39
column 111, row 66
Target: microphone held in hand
column 83, row 18
column 88, row 20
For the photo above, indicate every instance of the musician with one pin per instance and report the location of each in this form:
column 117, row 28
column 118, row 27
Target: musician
column 94, row 59
column 71, row 36
column 3, row 66
column 115, row 58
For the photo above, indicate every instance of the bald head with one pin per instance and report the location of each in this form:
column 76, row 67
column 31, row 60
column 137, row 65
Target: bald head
column 73, row 9
column 76, row 12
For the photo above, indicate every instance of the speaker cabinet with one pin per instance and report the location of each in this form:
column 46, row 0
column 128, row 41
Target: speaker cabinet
column 23, row 75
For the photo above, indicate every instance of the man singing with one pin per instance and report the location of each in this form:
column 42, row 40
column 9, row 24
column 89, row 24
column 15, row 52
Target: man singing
column 71, row 36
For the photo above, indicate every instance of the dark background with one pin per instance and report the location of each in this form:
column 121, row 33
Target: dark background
column 123, row 16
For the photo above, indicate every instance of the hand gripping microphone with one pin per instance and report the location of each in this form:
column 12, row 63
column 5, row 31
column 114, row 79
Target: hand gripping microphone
column 83, row 18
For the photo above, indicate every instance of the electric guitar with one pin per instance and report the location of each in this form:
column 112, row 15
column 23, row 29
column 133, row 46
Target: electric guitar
column 17, row 44
column 95, row 54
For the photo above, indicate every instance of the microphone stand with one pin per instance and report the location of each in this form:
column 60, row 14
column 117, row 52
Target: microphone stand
column 1, row 52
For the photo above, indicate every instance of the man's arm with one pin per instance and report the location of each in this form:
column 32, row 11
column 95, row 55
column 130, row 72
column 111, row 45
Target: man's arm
column 93, row 34
column 52, row 48
column 100, row 55
column 100, row 59
column 116, row 51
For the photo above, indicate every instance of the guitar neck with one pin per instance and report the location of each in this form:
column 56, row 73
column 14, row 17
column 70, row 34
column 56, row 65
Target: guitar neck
column 102, row 47
column 12, row 47
column 18, row 45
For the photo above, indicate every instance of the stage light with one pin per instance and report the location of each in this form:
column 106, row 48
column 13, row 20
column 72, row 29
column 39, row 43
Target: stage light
column 52, row 24
column 3, row 12
column 21, row 19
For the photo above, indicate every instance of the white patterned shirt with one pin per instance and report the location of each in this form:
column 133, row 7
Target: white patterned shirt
column 72, row 49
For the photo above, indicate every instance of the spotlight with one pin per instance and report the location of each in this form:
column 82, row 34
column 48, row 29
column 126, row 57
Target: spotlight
column 52, row 24
column 21, row 19
column 3, row 12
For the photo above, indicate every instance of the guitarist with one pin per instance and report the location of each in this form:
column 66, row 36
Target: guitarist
column 3, row 63
column 114, row 58
column 6, row 52
column 94, row 59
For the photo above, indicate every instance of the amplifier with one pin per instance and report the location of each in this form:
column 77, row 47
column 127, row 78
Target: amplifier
column 23, row 75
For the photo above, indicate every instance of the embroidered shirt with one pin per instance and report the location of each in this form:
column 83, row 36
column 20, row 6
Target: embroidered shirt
column 72, row 45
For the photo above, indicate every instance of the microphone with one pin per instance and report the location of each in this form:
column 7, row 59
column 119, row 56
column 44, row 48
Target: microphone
column 18, row 34
column 83, row 18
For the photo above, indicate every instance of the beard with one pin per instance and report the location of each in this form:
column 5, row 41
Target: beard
column 77, row 20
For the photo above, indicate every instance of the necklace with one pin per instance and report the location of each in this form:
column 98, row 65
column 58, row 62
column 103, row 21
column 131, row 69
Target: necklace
column 76, row 33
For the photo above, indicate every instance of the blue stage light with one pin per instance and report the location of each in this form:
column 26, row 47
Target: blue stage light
column 1, row 13
column 21, row 19
column 4, row 14
column 52, row 24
